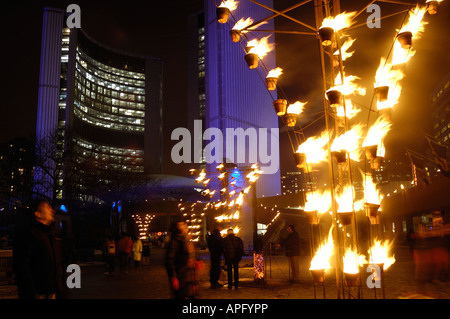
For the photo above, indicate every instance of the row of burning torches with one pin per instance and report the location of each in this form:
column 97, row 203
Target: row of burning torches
column 233, row 196
column 351, row 144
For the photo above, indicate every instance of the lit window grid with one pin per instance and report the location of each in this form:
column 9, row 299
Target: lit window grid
column 108, row 97
column 119, row 158
column 119, row 73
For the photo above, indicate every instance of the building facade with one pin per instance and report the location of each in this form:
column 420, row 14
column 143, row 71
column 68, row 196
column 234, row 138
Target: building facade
column 237, row 97
column 105, row 104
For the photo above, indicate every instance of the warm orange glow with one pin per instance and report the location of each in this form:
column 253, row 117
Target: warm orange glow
column 349, row 141
column 261, row 47
column 242, row 23
column 318, row 201
column 350, row 110
column 348, row 87
column 230, row 4
column 339, row 22
column 347, row 44
column 275, row 73
column 296, row 108
column 352, row 261
column 415, row 25
column 371, row 193
column 314, row 148
column 377, row 132
column 345, row 200
column 321, row 259
column 380, row 254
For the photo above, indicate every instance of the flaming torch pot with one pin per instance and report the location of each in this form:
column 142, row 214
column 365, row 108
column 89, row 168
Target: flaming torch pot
column 300, row 159
column 252, row 60
column 351, row 280
column 405, row 39
column 382, row 93
column 222, row 14
column 313, row 217
column 371, row 151
column 432, row 7
column 371, row 209
column 318, row 275
column 345, row 218
column 291, row 119
column 235, row 35
column 334, row 96
column 271, row 83
column 280, row 106
column 340, row 156
column 326, row 35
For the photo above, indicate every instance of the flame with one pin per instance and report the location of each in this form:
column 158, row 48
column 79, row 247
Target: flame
column 345, row 200
column 415, row 25
column 318, row 201
column 371, row 193
column 377, row 132
column 240, row 199
column 350, row 111
column 230, row 4
column 296, row 108
column 386, row 75
column 275, row 73
column 400, row 55
column 314, row 148
column 352, row 261
column 347, row 44
column 242, row 23
column 261, row 47
column 201, row 177
column 348, row 141
column 339, row 22
column 321, row 259
column 348, row 87
column 379, row 254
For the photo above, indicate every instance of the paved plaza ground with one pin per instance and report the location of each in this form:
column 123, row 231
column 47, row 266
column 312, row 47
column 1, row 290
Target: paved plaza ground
column 150, row 282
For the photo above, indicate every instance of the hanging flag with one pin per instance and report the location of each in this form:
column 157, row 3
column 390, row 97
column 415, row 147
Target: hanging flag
column 418, row 163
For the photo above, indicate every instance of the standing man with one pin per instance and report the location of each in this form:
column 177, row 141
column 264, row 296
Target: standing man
column 215, row 245
column 124, row 248
column 233, row 250
column 292, row 245
column 37, row 256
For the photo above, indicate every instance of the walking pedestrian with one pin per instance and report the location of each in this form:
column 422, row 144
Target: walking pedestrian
column 37, row 256
column 292, row 246
column 137, row 251
column 124, row 250
column 180, row 263
column 215, row 246
column 110, row 256
column 146, row 253
column 233, row 250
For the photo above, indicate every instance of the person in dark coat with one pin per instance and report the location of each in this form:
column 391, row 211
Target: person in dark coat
column 215, row 245
column 292, row 246
column 180, row 263
column 37, row 256
column 232, row 252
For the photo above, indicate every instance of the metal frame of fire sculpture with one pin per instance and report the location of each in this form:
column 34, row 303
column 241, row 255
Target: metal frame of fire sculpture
column 337, row 90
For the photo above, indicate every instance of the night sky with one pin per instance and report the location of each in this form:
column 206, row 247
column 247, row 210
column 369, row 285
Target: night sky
column 157, row 28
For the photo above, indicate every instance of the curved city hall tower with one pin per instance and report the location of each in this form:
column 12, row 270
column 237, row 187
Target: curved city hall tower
column 105, row 101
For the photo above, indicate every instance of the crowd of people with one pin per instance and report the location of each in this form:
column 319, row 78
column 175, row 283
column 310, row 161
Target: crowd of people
column 38, row 259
